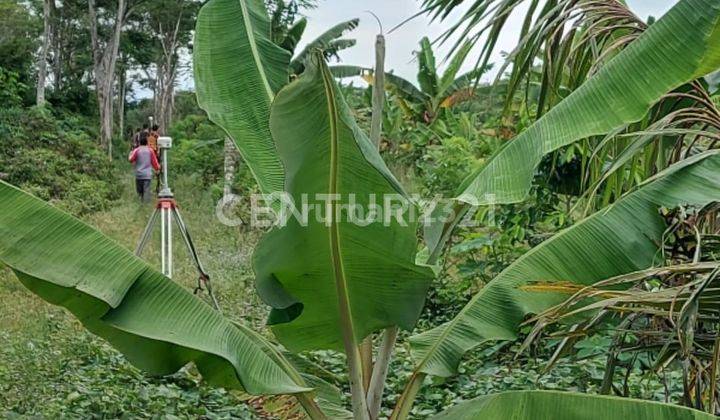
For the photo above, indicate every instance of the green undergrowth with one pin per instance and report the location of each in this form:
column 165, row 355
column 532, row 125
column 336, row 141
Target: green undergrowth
column 50, row 367
column 45, row 152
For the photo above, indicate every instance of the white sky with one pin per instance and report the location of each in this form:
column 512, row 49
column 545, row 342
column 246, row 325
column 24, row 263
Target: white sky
column 402, row 42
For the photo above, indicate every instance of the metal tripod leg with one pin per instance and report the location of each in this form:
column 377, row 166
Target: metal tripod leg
column 147, row 233
column 204, row 277
column 166, row 245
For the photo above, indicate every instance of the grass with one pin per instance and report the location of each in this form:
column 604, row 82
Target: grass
column 51, row 367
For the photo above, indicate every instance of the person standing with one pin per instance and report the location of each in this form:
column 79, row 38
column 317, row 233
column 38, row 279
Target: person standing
column 145, row 161
column 153, row 136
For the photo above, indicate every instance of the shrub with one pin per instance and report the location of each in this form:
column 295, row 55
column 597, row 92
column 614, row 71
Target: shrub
column 51, row 157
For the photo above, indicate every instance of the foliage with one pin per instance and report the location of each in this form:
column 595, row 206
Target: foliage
column 437, row 92
column 611, row 119
column 50, row 157
column 225, row 64
column 90, row 377
column 12, row 90
column 556, row 405
column 350, row 167
column 18, row 40
column 447, row 163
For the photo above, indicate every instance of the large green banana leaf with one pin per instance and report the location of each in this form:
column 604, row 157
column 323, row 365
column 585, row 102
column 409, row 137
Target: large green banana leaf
column 238, row 70
column 622, row 238
column 623, row 91
column 154, row 322
column 547, row 405
column 308, row 274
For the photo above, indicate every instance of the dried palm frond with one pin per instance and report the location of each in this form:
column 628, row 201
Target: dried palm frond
column 670, row 313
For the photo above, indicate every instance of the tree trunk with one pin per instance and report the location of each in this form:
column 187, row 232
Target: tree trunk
column 104, row 62
column 165, row 90
column 166, row 73
column 56, row 45
column 42, row 59
column 121, row 103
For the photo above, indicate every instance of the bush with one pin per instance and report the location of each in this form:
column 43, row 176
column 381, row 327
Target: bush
column 12, row 90
column 50, row 157
column 87, row 195
column 444, row 166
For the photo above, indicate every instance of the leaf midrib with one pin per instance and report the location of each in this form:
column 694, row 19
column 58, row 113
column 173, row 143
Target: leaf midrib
column 254, row 49
column 334, row 229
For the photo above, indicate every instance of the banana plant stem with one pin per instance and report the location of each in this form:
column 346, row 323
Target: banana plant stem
column 310, row 405
column 405, row 403
column 366, row 356
column 379, row 373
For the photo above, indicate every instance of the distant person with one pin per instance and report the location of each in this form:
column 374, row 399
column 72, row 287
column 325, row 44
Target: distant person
column 145, row 161
column 153, row 136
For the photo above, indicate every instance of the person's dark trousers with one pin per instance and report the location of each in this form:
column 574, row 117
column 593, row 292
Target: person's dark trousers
column 142, row 186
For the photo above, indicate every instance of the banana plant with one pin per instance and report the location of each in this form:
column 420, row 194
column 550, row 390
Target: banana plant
column 324, row 280
column 552, row 62
column 235, row 52
column 436, row 92
column 332, row 282
column 330, row 42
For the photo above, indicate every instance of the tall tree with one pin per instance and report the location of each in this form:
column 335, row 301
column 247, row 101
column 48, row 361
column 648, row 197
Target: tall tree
column 105, row 53
column 43, row 57
column 170, row 23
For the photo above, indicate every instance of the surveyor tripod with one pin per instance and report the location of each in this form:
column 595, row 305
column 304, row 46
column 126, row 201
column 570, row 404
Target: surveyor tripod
column 167, row 211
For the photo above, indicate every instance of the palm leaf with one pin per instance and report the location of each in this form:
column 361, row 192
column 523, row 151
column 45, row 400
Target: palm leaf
column 531, row 405
column 620, row 239
column 621, row 92
column 155, row 323
column 329, row 274
column 238, row 69
column 465, row 80
column 448, row 77
column 322, row 42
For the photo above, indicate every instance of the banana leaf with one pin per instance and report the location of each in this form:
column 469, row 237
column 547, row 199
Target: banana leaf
column 325, row 273
column 294, row 34
column 403, row 87
column 532, row 405
column 155, row 323
column 623, row 238
column 327, row 41
column 427, row 69
column 238, row 70
column 620, row 93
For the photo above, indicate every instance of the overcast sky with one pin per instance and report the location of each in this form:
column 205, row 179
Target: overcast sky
column 402, row 43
